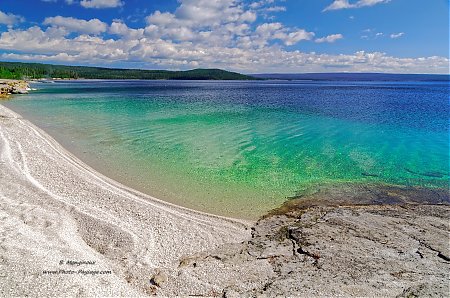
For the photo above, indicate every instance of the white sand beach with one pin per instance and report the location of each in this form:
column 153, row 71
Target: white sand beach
column 66, row 230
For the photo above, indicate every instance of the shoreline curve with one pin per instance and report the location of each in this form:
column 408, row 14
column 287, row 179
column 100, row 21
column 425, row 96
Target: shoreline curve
column 56, row 208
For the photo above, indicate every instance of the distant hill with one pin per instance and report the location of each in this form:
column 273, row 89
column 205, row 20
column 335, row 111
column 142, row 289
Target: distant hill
column 18, row 70
column 354, row 77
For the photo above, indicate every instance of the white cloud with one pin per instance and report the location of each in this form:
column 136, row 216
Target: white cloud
column 213, row 12
column 160, row 18
column 267, row 7
column 210, row 22
column 275, row 9
column 94, row 26
column 215, row 34
column 121, row 29
column 344, row 4
column 39, row 46
column 10, row 19
column 397, row 35
column 330, row 38
column 371, row 34
column 272, row 31
column 259, row 4
column 101, row 3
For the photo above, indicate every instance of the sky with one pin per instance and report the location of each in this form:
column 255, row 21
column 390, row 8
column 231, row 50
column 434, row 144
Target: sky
column 248, row 36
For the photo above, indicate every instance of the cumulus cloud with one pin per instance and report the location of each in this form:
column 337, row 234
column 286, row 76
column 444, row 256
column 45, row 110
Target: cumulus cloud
column 121, row 29
column 171, row 55
column 330, row 38
column 275, row 9
column 259, row 4
column 344, row 4
column 266, row 8
column 272, row 31
column 209, row 22
column 397, row 35
column 201, row 33
column 10, row 19
column 94, row 26
column 101, row 3
column 213, row 12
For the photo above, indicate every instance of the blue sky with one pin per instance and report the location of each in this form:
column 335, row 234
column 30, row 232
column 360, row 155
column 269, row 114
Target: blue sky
column 401, row 36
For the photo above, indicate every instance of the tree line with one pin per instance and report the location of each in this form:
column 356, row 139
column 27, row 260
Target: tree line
column 19, row 70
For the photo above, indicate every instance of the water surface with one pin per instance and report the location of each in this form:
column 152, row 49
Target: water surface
column 241, row 148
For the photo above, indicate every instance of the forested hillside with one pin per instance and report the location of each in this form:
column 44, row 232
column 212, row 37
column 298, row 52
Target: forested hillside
column 18, row 70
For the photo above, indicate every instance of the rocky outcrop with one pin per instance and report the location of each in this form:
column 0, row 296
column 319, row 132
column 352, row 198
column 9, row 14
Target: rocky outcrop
column 342, row 241
column 8, row 87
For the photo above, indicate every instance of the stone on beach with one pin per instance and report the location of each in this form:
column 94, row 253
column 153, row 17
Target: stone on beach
column 13, row 87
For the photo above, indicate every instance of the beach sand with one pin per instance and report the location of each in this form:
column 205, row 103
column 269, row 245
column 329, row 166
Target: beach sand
column 59, row 215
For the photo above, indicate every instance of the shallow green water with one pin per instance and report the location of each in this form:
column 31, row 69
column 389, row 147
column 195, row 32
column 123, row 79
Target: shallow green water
column 242, row 148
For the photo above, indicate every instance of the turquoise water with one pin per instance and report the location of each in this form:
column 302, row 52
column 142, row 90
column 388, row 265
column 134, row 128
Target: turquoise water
column 242, row 148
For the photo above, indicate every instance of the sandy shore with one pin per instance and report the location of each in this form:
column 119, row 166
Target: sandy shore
column 66, row 230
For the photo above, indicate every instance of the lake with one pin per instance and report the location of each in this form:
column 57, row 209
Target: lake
column 241, row 148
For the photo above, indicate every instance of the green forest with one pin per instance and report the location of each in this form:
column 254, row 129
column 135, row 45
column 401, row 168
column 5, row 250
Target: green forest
column 18, row 70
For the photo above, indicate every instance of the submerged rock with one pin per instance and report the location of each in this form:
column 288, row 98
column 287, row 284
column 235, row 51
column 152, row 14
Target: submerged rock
column 369, row 174
column 431, row 174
